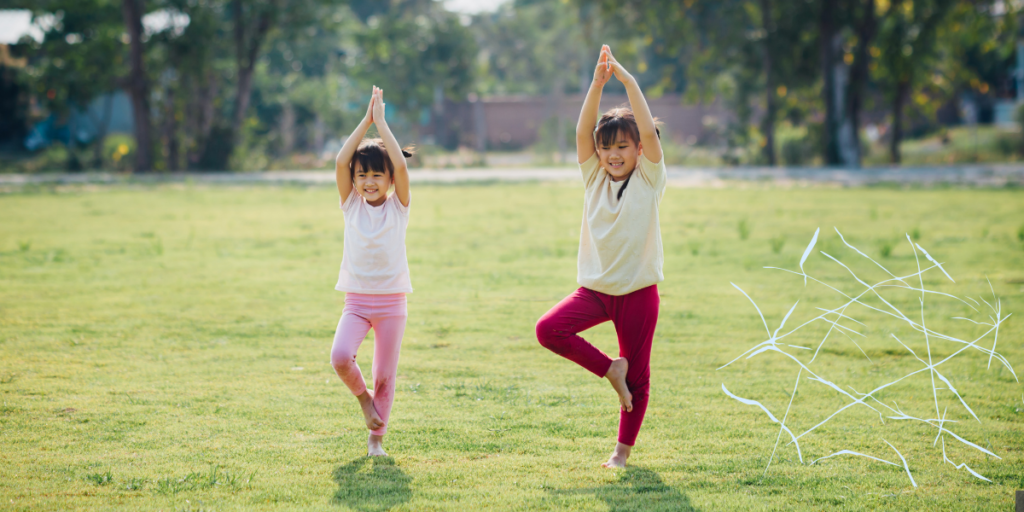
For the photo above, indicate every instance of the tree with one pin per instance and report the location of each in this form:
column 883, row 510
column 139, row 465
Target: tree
column 517, row 56
column 137, row 85
column 737, row 50
column 79, row 59
column 907, row 50
column 420, row 54
column 301, row 94
column 846, row 30
column 252, row 21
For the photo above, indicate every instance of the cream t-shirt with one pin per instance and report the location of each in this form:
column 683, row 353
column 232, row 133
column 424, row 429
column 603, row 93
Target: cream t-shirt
column 374, row 260
column 620, row 241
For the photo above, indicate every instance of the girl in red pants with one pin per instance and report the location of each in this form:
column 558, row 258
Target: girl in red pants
column 620, row 257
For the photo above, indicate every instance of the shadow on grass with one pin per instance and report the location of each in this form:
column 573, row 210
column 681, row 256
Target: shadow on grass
column 638, row 489
column 371, row 484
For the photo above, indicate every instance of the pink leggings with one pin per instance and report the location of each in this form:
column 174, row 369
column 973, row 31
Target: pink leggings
column 386, row 314
column 635, row 316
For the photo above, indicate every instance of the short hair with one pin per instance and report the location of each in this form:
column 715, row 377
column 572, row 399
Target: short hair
column 372, row 155
column 619, row 120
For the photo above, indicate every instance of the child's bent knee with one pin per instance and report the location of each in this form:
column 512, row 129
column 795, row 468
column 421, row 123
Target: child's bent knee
column 343, row 361
column 549, row 336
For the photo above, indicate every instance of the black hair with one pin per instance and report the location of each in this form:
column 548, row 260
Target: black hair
column 612, row 123
column 373, row 156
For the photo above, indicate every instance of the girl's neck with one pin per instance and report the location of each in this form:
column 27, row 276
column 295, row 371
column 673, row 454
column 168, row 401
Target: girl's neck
column 378, row 202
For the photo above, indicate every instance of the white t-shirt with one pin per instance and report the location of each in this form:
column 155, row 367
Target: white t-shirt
column 620, row 241
column 374, row 259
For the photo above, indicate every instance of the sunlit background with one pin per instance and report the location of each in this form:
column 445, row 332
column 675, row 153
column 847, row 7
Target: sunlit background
column 232, row 85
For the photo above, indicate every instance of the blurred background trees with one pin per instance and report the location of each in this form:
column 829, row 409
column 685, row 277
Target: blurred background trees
column 248, row 85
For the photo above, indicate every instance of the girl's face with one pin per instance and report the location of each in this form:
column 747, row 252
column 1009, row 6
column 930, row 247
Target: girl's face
column 371, row 184
column 619, row 158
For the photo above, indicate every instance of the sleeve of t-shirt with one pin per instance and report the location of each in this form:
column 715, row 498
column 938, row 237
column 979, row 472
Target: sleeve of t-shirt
column 589, row 169
column 347, row 203
column 398, row 204
column 654, row 174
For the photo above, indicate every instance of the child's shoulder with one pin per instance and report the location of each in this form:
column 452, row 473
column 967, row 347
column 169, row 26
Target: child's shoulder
column 396, row 203
column 353, row 199
column 653, row 172
column 590, row 169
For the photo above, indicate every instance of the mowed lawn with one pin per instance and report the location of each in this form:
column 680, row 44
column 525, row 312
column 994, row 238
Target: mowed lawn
column 167, row 348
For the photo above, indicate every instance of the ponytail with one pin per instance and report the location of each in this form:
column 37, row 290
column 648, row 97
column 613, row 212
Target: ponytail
column 623, row 189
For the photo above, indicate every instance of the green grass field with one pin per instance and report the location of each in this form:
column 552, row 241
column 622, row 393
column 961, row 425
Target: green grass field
column 167, row 348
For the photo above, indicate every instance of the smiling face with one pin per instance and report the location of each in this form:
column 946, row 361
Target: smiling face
column 618, row 156
column 372, row 184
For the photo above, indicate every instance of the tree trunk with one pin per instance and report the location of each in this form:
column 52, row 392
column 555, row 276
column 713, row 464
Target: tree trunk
column 138, row 86
column 768, row 125
column 439, row 119
column 74, row 163
column 319, row 134
column 246, row 51
column 826, row 34
column 287, row 129
column 844, row 129
column 866, row 28
column 101, row 131
column 191, row 121
column 171, row 132
column 205, row 115
column 902, row 91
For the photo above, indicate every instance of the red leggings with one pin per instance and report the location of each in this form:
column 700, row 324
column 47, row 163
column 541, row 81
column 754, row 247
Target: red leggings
column 635, row 316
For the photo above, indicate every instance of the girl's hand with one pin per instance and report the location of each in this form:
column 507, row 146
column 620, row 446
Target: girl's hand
column 617, row 69
column 378, row 104
column 603, row 72
column 369, row 108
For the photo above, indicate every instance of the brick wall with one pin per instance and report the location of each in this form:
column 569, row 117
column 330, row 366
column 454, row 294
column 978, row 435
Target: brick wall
column 513, row 122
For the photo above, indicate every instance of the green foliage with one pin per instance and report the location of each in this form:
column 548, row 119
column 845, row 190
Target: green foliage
column 517, row 43
column 796, row 145
column 80, row 58
column 136, row 484
column 961, row 144
column 413, row 50
column 14, row 104
column 743, row 229
column 199, row 480
column 105, row 478
column 777, row 243
column 885, row 248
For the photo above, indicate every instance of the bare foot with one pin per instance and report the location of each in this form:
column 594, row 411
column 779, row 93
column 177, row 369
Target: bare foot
column 617, row 376
column 619, row 456
column 373, row 421
column 375, row 447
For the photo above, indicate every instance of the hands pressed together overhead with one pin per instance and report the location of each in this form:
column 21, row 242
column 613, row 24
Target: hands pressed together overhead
column 375, row 109
column 607, row 66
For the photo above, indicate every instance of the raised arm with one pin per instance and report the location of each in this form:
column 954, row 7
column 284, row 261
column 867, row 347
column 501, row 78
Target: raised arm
column 591, row 105
column 642, row 113
column 401, row 174
column 341, row 163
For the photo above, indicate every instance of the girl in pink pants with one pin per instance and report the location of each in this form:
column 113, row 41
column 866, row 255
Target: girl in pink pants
column 620, row 257
column 374, row 272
